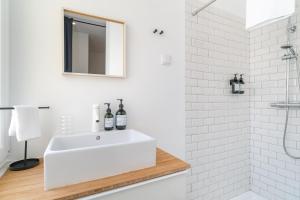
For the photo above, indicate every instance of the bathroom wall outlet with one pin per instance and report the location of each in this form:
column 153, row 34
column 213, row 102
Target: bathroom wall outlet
column 165, row 59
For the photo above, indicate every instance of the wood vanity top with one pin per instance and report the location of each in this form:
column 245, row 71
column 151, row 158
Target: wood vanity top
column 29, row 184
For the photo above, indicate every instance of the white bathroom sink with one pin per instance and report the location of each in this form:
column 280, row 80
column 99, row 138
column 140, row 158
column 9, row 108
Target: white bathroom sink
column 89, row 156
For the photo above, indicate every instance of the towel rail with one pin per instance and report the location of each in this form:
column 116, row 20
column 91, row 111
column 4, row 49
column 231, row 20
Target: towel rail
column 11, row 108
column 26, row 163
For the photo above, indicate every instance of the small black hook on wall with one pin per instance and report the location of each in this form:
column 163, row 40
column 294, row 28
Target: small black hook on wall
column 161, row 32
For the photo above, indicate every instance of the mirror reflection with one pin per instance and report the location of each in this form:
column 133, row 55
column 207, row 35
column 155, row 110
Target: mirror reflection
column 93, row 45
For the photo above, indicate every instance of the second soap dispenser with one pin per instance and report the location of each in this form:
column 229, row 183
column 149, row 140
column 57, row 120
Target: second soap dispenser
column 235, row 87
column 121, row 117
column 241, row 82
column 108, row 119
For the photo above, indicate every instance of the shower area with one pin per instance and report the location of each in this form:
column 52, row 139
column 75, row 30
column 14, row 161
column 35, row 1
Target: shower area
column 241, row 146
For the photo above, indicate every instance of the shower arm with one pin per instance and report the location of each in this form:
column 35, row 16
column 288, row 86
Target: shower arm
column 195, row 12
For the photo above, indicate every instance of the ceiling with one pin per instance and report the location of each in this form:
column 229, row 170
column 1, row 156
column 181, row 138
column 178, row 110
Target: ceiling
column 235, row 7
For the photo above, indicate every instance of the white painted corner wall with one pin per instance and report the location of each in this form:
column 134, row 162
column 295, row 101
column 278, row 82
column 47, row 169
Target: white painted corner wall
column 153, row 94
column 4, row 144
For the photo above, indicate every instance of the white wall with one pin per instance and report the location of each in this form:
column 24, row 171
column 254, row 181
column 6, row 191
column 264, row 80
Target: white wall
column 1, row 79
column 153, row 94
column 217, row 122
column 80, row 52
column 273, row 174
column 234, row 7
column 4, row 143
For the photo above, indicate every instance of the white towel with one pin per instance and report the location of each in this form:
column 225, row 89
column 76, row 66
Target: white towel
column 25, row 123
column 263, row 12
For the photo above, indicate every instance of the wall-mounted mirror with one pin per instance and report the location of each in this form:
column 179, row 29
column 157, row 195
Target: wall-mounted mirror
column 93, row 45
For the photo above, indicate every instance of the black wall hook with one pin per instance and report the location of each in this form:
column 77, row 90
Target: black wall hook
column 160, row 32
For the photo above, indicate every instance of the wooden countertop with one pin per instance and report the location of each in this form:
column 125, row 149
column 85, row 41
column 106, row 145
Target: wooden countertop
column 29, row 184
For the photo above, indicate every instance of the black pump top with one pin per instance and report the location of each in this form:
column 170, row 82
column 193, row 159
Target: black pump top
column 121, row 106
column 108, row 110
column 241, row 79
column 235, row 78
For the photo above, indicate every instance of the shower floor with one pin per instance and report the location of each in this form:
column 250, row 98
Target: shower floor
column 249, row 196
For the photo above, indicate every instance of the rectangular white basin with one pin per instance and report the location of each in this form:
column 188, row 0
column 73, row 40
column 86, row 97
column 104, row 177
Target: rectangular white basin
column 90, row 156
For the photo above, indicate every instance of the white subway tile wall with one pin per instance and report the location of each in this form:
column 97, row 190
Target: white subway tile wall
column 273, row 174
column 217, row 122
column 234, row 142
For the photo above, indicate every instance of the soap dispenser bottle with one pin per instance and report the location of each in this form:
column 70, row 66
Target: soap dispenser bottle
column 235, row 85
column 241, row 82
column 96, row 118
column 108, row 119
column 121, row 117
